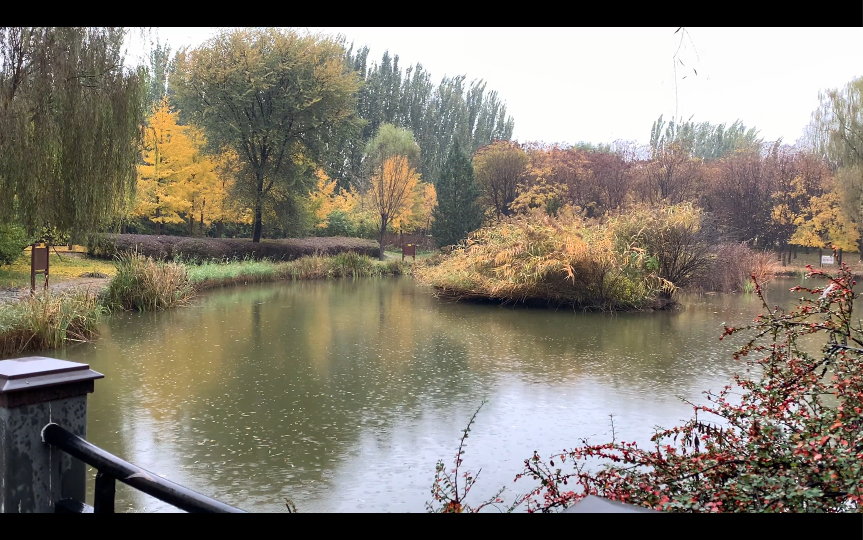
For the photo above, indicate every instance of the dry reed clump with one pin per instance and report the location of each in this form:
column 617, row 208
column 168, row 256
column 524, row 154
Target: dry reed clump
column 732, row 266
column 46, row 320
column 677, row 240
column 549, row 261
column 144, row 284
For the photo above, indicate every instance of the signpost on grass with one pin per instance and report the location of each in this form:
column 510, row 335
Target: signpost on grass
column 409, row 250
column 38, row 264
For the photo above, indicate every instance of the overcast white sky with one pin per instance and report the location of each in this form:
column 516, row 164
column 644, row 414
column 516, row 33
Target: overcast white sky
column 603, row 84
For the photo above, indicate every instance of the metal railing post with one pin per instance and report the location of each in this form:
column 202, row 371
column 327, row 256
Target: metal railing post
column 111, row 468
column 35, row 391
column 103, row 500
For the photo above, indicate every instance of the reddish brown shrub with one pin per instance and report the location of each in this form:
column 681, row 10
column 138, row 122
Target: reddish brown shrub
column 201, row 249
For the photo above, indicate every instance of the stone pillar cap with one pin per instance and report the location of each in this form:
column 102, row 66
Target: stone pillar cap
column 32, row 372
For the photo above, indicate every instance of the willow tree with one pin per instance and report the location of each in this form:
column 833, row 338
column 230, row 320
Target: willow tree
column 70, row 118
column 391, row 181
column 271, row 95
column 836, row 131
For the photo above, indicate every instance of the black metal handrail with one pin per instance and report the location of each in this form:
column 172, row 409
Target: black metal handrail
column 111, row 468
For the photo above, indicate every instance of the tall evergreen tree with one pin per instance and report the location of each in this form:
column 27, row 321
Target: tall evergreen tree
column 458, row 211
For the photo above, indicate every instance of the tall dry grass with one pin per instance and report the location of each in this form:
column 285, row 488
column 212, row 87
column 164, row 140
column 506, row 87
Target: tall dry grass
column 731, row 267
column 46, row 321
column 144, row 284
column 564, row 261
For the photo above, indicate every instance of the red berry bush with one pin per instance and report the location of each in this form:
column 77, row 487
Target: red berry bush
column 786, row 438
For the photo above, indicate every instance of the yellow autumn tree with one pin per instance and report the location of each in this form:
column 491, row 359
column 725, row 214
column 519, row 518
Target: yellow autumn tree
column 418, row 216
column 426, row 200
column 334, row 209
column 177, row 182
column 390, row 192
column 322, row 199
column 823, row 224
column 226, row 208
column 167, row 158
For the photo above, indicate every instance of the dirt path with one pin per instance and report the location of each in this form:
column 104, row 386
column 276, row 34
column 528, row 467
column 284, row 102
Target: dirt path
column 11, row 294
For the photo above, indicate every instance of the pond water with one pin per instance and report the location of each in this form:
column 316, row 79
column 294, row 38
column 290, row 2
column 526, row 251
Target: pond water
column 342, row 395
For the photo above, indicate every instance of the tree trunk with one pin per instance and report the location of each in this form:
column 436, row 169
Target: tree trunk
column 256, row 231
column 191, row 224
column 201, row 226
column 383, row 230
column 220, row 228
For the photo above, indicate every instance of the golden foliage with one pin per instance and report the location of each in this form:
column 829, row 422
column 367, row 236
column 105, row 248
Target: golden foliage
column 539, row 194
column 824, row 224
column 225, row 207
column 325, row 200
column 176, row 181
column 419, row 215
column 391, row 187
column 541, row 259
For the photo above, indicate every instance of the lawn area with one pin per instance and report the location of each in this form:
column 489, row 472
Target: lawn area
column 61, row 267
column 397, row 255
column 797, row 265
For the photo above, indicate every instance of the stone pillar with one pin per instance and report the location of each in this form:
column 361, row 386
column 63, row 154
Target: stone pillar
column 33, row 392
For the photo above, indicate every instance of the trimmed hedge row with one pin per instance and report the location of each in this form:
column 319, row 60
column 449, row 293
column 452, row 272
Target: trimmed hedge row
column 202, row 249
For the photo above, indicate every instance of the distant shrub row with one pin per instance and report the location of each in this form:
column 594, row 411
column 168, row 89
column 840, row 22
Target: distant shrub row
column 205, row 249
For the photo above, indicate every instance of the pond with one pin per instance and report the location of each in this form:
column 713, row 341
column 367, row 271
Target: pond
column 342, row 395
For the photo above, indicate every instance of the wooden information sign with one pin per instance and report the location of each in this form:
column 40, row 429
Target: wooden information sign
column 38, row 264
